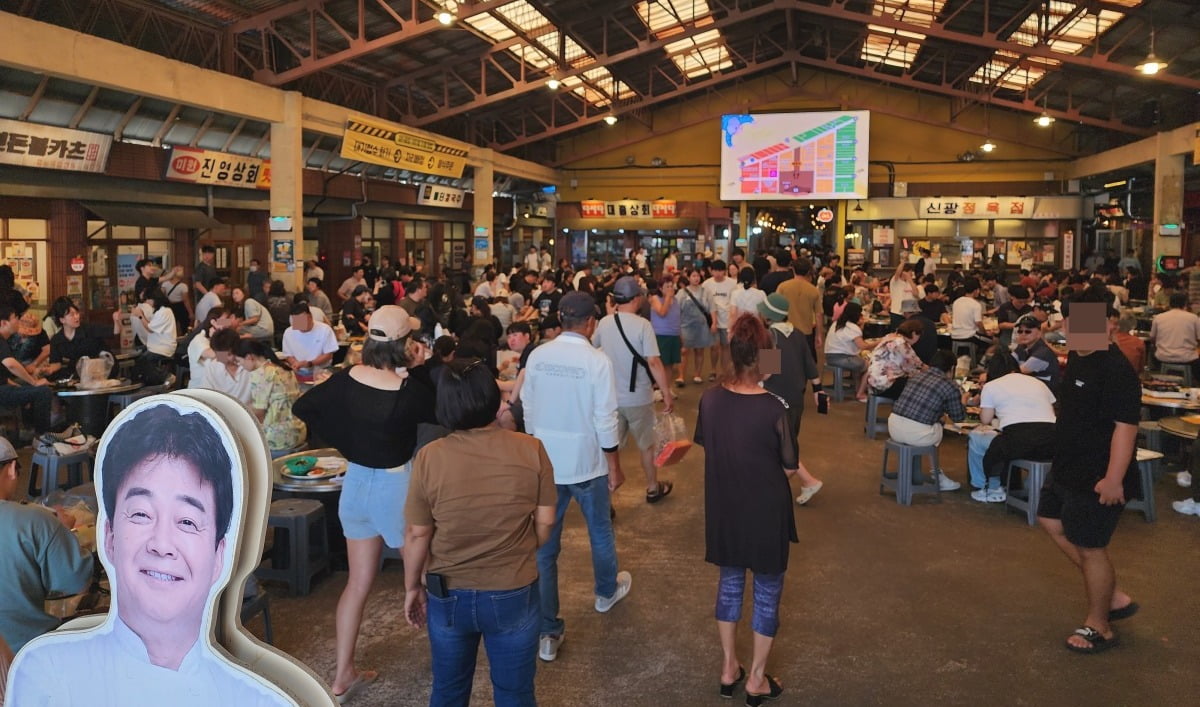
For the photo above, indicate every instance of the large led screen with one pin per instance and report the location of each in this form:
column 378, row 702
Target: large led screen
column 794, row 156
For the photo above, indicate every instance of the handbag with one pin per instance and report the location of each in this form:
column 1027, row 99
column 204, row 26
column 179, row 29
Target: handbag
column 707, row 316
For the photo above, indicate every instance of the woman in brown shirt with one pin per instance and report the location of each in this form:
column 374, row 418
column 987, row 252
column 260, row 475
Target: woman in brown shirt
column 479, row 503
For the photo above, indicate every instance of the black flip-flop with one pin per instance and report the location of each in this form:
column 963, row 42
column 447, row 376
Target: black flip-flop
column 754, row 700
column 1094, row 637
column 663, row 490
column 1124, row 612
column 728, row 688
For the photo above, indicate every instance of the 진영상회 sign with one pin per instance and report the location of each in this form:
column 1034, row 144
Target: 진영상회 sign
column 436, row 195
column 200, row 166
column 48, row 147
column 628, row 208
column 384, row 144
column 977, row 207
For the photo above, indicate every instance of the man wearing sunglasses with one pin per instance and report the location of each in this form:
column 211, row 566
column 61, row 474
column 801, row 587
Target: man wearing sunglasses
column 39, row 556
column 1034, row 355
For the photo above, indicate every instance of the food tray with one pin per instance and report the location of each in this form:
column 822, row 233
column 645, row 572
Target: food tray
column 309, row 468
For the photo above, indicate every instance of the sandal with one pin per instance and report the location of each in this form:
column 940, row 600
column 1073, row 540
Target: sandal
column 1124, row 612
column 728, row 688
column 1094, row 637
column 663, row 490
column 754, row 700
column 360, row 683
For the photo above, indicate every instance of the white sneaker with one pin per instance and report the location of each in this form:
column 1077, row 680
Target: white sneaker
column 989, row 495
column 1188, row 507
column 624, row 582
column 807, row 492
column 548, row 647
column 945, row 483
column 1184, row 479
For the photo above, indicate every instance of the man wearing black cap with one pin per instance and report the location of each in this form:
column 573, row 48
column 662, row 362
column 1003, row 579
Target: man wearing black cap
column 570, row 401
column 1034, row 355
column 629, row 342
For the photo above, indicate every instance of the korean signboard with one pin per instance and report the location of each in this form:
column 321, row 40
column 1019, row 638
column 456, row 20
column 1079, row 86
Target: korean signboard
column 977, row 207
column 381, row 143
column 434, row 195
column 48, row 147
column 628, row 208
column 199, row 166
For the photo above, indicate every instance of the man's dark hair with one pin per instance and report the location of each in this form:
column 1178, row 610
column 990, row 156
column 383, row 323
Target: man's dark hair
column 802, row 267
column 358, row 267
column 719, row 265
column 60, row 308
column 931, row 290
column 316, row 281
column 1001, row 364
column 989, row 276
column 467, row 395
column 1098, row 294
column 944, row 361
column 1018, row 292
column 519, row 328
column 737, row 251
column 218, row 281
column 1178, row 300
column 782, row 257
column 224, row 340
column 6, row 312
column 207, row 249
column 970, row 284
column 300, row 307
column 414, row 284
column 164, row 432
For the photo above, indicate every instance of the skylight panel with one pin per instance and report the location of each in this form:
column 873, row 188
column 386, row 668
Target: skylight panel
column 694, row 56
column 893, row 47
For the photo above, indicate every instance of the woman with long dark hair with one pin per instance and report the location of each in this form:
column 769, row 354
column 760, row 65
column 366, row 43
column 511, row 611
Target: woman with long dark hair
column 845, row 343
column 749, row 455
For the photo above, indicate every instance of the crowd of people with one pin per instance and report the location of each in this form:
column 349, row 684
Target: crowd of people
column 478, row 411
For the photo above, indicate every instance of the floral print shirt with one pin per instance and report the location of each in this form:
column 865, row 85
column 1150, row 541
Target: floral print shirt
column 274, row 390
column 891, row 360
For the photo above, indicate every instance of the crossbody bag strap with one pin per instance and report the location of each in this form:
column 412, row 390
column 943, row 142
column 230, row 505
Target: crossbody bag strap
column 688, row 292
column 638, row 359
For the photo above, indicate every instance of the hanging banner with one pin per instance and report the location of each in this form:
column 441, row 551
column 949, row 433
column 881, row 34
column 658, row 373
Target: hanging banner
column 383, row 144
column 436, row 195
column 48, row 147
column 977, row 207
column 198, row 166
column 629, row 208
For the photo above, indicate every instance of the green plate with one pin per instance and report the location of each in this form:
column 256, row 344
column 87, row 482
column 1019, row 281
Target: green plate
column 300, row 465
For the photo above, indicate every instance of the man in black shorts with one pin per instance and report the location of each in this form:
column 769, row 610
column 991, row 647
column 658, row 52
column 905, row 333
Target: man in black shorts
column 1093, row 472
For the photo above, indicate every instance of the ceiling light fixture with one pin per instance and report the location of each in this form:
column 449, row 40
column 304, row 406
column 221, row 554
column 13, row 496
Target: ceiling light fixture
column 988, row 145
column 553, row 84
column 1044, row 120
column 445, row 18
column 1151, row 65
column 610, row 119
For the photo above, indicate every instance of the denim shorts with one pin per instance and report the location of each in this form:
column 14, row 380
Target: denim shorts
column 372, row 503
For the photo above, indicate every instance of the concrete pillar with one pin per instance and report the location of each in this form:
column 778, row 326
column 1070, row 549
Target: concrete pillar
column 483, row 223
column 287, row 190
column 1168, row 197
column 839, row 232
column 743, row 230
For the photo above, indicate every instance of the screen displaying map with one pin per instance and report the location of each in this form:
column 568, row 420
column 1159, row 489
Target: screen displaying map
column 794, row 156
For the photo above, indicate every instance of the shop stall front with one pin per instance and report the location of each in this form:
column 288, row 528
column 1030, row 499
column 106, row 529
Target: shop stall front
column 1008, row 232
column 608, row 231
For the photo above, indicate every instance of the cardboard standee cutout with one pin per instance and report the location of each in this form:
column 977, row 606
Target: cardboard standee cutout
column 176, row 488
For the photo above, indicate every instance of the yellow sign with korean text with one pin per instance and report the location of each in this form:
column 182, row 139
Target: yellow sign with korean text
column 379, row 143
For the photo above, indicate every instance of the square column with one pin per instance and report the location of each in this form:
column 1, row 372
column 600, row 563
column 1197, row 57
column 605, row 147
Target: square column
column 287, row 195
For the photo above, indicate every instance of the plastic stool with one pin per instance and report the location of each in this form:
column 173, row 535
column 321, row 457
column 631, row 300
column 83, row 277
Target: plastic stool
column 1147, row 461
column 1033, row 487
column 305, row 548
column 1151, row 432
column 47, row 466
column 873, row 426
column 1183, row 370
column 259, row 603
column 901, row 481
column 970, row 345
column 839, row 393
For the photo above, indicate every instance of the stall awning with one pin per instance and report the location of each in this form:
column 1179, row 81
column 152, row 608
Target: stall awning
column 122, row 214
column 612, row 224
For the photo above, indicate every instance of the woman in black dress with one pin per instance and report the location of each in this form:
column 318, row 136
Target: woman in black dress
column 749, row 454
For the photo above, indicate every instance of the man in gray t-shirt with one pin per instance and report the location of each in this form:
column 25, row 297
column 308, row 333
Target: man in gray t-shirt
column 635, row 379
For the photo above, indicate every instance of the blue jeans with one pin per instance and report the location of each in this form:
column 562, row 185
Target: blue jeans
column 592, row 497
column 508, row 623
column 40, row 396
column 978, row 442
column 768, row 588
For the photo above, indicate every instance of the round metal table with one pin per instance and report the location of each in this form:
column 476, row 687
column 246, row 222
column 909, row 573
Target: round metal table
column 1179, row 427
column 1171, row 403
column 328, row 491
column 89, row 406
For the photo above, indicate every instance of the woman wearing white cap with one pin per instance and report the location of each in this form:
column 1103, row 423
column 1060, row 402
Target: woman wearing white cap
column 370, row 413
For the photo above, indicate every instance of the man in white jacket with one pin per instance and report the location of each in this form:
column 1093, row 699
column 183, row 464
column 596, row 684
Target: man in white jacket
column 570, row 401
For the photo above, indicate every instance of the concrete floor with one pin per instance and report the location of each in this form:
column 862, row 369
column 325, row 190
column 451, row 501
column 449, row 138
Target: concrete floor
column 947, row 603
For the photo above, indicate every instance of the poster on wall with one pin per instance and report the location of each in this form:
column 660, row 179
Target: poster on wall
column 74, row 285
column 458, row 253
column 579, row 254
column 283, row 255
column 127, row 271
column 50, row 147
column 810, row 155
